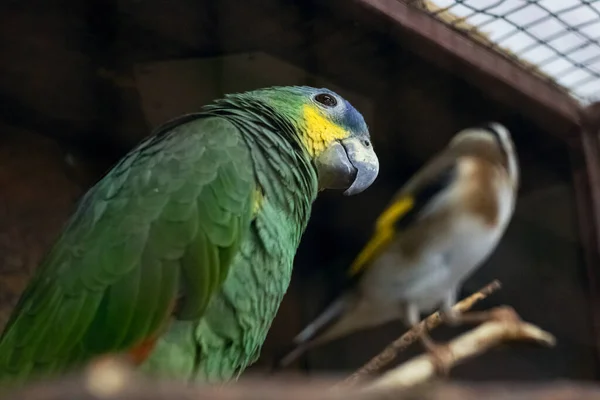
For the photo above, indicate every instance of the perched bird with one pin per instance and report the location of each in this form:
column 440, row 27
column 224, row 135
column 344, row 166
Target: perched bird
column 440, row 227
column 179, row 256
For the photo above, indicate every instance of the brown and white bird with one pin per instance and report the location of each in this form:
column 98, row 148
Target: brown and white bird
column 438, row 229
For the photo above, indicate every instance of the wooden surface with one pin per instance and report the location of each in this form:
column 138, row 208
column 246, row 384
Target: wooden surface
column 109, row 382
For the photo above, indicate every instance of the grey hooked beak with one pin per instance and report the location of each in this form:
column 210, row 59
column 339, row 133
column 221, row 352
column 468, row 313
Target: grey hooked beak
column 348, row 164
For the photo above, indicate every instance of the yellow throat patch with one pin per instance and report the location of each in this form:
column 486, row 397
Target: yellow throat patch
column 320, row 131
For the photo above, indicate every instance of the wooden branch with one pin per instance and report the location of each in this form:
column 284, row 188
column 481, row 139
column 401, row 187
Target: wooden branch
column 505, row 326
column 434, row 320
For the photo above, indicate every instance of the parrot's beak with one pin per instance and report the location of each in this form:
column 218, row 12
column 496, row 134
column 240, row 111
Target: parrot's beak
column 348, row 164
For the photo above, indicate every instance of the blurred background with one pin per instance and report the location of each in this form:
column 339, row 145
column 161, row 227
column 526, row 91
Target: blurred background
column 81, row 82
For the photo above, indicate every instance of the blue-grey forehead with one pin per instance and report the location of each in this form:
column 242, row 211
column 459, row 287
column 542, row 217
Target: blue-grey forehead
column 354, row 120
column 312, row 90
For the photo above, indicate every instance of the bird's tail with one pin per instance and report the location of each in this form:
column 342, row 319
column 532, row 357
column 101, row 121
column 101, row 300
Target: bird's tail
column 317, row 332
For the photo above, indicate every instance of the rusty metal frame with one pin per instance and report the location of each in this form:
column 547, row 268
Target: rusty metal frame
column 585, row 161
column 550, row 107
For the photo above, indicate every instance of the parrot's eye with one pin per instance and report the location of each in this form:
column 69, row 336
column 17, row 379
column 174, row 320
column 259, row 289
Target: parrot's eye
column 326, row 99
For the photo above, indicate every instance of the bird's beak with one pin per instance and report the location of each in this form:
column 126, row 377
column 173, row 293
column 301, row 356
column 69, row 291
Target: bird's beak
column 347, row 164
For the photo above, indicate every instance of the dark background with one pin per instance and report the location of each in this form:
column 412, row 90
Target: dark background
column 81, row 82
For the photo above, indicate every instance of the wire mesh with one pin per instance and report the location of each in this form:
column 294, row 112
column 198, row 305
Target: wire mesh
column 558, row 40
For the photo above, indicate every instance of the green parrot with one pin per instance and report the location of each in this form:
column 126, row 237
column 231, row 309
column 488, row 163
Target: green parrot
column 179, row 257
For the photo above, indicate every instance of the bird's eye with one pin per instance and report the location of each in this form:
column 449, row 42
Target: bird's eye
column 326, row 99
column 367, row 143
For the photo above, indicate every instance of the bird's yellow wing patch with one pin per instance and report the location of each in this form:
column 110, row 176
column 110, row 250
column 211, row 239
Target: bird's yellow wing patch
column 319, row 130
column 384, row 232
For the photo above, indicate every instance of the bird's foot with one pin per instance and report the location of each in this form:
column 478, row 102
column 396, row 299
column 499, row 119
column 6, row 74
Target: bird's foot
column 441, row 356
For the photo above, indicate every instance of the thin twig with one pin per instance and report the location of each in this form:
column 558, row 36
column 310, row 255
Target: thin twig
column 505, row 325
column 434, row 320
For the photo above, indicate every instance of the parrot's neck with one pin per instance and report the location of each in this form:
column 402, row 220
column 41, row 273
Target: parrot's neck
column 285, row 175
column 237, row 320
column 284, row 171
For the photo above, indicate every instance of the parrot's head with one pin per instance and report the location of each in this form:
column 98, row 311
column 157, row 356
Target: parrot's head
column 333, row 133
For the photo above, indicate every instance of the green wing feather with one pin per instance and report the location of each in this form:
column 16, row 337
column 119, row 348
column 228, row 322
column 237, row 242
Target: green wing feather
column 164, row 222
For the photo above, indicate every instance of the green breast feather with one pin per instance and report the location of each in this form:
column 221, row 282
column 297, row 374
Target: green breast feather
column 237, row 320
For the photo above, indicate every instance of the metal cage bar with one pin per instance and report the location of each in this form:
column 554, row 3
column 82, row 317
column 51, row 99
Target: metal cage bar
column 568, row 57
